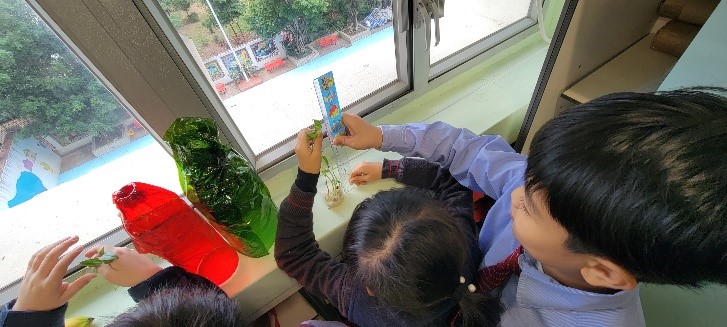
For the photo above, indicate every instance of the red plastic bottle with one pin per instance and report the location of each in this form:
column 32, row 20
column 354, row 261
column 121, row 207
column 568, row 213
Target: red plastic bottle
column 161, row 223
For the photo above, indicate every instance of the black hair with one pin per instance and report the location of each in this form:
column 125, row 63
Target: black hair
column 641, row 179
column 199, row 306
column 408, row 249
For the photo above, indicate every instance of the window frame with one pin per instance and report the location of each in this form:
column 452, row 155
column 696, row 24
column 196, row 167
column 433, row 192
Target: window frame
column 143, row 69
column 483, row 45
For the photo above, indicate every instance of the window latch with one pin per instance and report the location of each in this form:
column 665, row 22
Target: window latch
column 425, row 12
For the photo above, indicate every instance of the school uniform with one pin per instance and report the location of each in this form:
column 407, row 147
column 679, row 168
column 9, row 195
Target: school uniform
column 489, row 165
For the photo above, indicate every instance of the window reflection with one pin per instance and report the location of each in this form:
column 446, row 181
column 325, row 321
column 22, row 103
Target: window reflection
column 66, row 144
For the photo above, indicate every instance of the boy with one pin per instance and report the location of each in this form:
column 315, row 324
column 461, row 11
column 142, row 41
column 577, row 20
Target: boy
column 624, row 189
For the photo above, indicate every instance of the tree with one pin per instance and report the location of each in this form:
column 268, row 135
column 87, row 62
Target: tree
column 353, row 14
column 228, row 11
column 296, row 18
column 354, row 10
column 42, row 81
column 174, row 5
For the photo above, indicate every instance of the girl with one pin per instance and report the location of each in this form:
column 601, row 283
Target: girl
column 410, row 257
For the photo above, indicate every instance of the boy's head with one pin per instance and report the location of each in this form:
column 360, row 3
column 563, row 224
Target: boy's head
column 630, row 187
column 194, row 305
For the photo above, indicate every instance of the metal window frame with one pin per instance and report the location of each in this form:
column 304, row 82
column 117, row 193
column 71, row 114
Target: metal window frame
column 486, row 43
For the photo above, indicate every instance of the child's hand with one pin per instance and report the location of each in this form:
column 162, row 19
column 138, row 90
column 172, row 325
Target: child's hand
column 43, row 288
column 361, row 134
column 309, row 152
column 130, row 269
column 365, row 172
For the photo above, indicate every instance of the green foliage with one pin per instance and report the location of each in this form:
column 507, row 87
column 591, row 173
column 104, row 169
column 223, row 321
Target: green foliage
column 316, row 130
column 192, row 18
column 227, row 12
column 174, row 5
column 352, row 11
column 40, row 79
column 332, row 180
column 301, row 20
column 264, row 17
column 102, row 258
column 365, row 7
column 176, row 19
column 215, row 177
column 200, row 39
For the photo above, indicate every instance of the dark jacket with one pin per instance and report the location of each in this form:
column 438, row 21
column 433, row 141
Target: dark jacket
column 297, row 252
column 169, row 277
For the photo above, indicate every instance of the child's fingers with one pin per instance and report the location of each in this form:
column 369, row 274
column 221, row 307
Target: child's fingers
column 360, row 169
column 121, row 251
column 301, row 144
column 341, row 140
column 302, row 138
column 357, row 182
column 38, row 257
column 359, row 179
column 60, row 269
column 52, row 257
column 355, row 172
column 76, row 286
column 93, row 251
column 318, row 143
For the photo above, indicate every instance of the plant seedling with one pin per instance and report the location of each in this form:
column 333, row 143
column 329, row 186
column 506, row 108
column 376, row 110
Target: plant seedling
column 103, row 258
column 316, row 130
column 333, row 182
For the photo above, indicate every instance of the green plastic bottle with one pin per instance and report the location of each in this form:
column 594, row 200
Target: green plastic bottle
column 223, row 186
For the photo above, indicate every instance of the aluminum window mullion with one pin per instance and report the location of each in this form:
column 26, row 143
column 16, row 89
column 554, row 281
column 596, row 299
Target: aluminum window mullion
column 420, row 58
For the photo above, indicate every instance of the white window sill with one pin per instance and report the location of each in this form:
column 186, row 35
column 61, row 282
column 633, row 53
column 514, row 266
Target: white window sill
column 490, row 98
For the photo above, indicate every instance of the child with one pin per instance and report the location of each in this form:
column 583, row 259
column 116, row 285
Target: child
column 396, row 270
column 624, row 189
column 167, row 297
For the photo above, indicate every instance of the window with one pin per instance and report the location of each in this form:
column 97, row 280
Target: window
column 470, row 27
column 67, row 144
column 150, row 63
column 282, row 46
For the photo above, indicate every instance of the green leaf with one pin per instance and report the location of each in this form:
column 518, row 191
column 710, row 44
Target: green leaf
column 325, row 160
column 316, row 130
column 103, row 258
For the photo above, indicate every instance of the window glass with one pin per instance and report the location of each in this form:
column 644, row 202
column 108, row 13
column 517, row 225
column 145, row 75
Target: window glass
column 261, row 56
column 467, row 22
column 66, row 144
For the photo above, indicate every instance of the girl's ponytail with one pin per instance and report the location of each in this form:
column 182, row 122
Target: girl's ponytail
column 477, row 309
